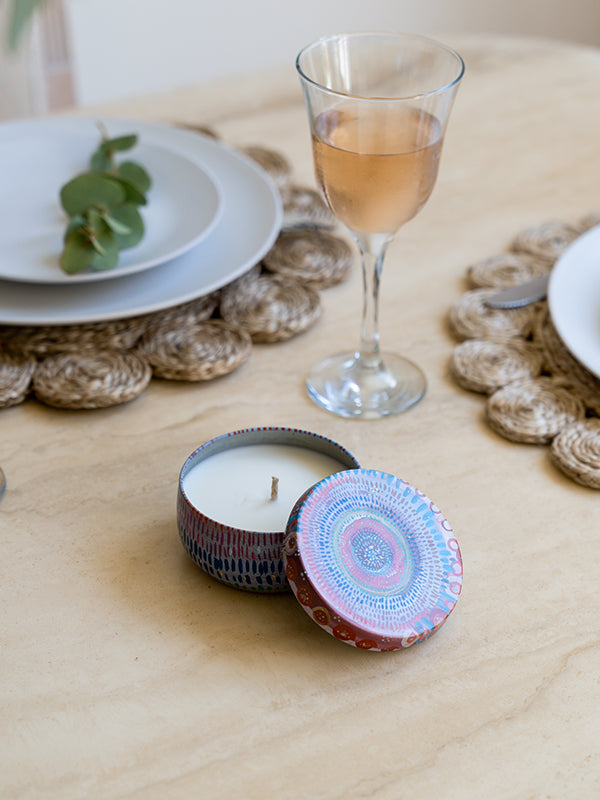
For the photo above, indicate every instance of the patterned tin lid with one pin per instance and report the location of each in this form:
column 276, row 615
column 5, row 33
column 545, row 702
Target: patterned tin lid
column 372, row 560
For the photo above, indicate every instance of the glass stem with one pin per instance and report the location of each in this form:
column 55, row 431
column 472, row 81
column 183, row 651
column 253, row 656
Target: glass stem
column 372, row 248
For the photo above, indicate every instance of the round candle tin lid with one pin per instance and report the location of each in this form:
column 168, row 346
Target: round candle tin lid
column 372, row 560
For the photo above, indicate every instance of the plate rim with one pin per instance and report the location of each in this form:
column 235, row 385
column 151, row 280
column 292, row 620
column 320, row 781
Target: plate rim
column 566, row 271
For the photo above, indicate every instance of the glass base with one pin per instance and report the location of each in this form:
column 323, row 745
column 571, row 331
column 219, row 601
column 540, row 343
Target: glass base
column 349, row 387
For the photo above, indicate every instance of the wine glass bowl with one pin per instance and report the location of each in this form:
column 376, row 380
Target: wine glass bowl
column 378, row 105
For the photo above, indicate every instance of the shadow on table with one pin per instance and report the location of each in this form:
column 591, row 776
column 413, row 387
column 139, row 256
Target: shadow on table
column 168, row 593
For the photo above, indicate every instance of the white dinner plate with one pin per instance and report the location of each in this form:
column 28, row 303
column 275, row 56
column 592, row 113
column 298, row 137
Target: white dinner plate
column 246, row 229
column 574, row 298
column 37, row 158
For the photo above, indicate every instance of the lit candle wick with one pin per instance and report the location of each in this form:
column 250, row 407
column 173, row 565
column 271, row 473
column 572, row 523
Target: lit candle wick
column 274, row 488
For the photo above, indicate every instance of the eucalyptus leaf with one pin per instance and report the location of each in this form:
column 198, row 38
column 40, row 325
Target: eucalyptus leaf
column 119, row 143
column 135, row 174
column 132, row 195
column 97, row 246
column 110, row 259
column 129, row 216
column 78, row 254
column 116, row 226
column 100, row 162
column 102, row 240
column 91, row 189
column 95, row 221
column 75, row 223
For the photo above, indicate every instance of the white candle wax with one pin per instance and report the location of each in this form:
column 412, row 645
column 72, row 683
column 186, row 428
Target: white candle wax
column 234, row 487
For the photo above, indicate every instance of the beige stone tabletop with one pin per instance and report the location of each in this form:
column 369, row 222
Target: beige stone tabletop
column 127, row 672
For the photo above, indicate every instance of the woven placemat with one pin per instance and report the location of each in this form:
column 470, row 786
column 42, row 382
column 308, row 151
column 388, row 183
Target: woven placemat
column 271, row 308
column 537, row 392
column 195, row 352
column 101, row 364
column 303, row 208
column 16, row 372
column 315, row 257
column 91, row 379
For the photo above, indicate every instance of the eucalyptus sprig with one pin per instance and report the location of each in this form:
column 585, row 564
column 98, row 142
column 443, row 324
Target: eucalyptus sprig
column 102, row 205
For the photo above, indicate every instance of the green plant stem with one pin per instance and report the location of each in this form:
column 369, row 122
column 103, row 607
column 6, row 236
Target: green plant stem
column 21, row 14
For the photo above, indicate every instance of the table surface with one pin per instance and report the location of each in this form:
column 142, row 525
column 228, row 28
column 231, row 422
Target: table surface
column 127, row 672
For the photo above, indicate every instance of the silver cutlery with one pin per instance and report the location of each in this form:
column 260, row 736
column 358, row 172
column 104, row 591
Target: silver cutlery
column 521, row 295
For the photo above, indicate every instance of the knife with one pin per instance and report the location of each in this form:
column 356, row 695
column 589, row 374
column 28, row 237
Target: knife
column 521, row 295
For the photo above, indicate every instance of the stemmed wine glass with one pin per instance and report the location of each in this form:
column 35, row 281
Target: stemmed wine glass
column 378, row 104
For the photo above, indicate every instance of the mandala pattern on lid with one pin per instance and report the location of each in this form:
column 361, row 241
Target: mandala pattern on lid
column 372, row 560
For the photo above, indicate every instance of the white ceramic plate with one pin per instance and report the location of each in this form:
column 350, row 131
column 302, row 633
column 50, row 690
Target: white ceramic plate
column 574, row 298
column 246, row 229
column 38, row 157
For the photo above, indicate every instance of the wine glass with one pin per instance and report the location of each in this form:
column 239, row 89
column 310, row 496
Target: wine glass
column 378, row 104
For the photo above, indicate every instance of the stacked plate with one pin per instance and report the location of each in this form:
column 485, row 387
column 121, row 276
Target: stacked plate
column 574, row 298
column 212, row 214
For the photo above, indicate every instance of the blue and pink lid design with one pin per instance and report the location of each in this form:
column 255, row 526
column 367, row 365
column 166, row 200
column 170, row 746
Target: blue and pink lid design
column 372, row 560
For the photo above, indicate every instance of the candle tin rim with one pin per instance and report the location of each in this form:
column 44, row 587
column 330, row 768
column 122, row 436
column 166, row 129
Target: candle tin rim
column 329, row 608
column 214, row 446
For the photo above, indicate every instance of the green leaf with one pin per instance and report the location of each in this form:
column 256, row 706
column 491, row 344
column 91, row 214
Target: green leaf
column 91, row 189
column 77, row 254
column 135, row 174
column 126, row 142
column 94, row 241
column 130, row 217
column 110, row 257
column 103, row 207
column 75, row 223
column 95, row 221
column 101, row 238
column 132, row 195
column 114, row 224
column 100, row 162
column 21, row 12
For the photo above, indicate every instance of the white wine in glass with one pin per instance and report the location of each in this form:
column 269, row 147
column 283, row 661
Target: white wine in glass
column 378, row 105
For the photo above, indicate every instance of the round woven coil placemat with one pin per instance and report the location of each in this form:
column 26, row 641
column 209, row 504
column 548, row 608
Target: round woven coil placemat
column 205, row 130
column 538, row 393
column 316, row 258
column 559, row 361
column 576, row 451
column 545, row 241
column 90, row 380
column 504, row 270
column 483, row 366
column 534, row 410
column 198, row 310
column 16, row 372
column 303, row 208
column 94, row 365
column 470, row 318
column 271, row 308
column 274, row 164
column 51, row 339
column 195, row 352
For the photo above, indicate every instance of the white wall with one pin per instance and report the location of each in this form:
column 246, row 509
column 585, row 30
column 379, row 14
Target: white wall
column 122, row 48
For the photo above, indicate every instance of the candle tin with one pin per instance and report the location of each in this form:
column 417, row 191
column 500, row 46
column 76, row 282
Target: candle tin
column 246, row 559
column 372, row 560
